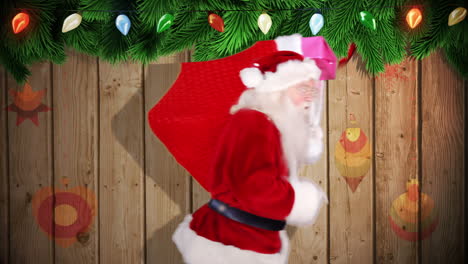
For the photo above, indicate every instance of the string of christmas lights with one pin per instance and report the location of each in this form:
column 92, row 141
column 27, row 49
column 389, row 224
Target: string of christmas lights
column 317, row 21
column 145, row 30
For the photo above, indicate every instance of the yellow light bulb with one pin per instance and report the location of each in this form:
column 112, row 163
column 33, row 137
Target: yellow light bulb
column 264, row 23
column 456, row 16
column 71, row 22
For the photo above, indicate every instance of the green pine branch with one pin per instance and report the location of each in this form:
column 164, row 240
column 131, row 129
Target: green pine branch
column 97, row 35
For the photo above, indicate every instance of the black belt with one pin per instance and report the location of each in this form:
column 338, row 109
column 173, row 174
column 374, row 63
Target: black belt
column 245, row 217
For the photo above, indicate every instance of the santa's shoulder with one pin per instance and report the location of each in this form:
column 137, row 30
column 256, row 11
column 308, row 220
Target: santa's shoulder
column 252, row 118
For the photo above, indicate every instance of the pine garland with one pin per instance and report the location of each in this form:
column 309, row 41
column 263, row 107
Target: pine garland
column 98, row 36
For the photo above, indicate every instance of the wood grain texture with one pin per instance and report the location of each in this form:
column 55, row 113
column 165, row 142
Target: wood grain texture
column 4, row 182
column 97, row 135
column 199, row 196
column 396, row 157
column 351, row 217
column 168, row 183
column 76, row 116
column 121, row 164
column 30, row 164
column 310, row 244
column 443, row 169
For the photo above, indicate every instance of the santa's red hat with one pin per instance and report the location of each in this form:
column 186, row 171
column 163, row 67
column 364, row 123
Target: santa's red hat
column 278, row 71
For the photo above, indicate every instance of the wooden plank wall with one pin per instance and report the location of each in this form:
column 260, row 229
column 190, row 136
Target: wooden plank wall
column 30, row 168
column 121, row 174
column 350, row 101
column 97, row 136
column 4, row 181
column 443, row 157
column 169, row 185
column 396, row 155
column 75, row 140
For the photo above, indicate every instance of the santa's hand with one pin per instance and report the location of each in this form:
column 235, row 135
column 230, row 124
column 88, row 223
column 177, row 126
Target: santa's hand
column 314, row 145
column 315, row 132
column 309, row 198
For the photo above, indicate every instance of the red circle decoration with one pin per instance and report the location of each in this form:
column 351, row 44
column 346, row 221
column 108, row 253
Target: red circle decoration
column 45, row 215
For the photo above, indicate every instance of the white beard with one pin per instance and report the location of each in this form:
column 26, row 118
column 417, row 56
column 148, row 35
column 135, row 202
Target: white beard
column 290, row 120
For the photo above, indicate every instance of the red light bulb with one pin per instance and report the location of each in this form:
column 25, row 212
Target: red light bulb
column 20, row 22
column 216, row 22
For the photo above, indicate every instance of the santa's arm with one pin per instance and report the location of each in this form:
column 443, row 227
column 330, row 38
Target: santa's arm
column 258, row 184
column 255, row 178
column 298, row 201
column 315, row 141
column 309, row 196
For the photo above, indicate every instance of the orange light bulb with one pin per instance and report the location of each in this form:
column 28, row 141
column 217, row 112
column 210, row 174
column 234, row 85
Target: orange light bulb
column 414, row 17
column 20, row 22
column 216, row 22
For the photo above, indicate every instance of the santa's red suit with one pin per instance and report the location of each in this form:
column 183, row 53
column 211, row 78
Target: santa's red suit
column 248, row 169
column 250, row 173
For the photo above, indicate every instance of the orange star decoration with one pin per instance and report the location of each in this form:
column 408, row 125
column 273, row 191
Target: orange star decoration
column 27, row 104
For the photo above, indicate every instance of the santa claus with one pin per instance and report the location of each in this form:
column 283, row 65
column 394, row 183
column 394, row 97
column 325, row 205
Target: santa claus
column 254, row 186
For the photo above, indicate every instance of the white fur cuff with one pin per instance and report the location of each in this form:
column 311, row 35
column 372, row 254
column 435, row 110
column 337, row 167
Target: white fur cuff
column 309, row 199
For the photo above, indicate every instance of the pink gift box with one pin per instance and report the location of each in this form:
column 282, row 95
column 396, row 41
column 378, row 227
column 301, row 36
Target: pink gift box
column 317, row 48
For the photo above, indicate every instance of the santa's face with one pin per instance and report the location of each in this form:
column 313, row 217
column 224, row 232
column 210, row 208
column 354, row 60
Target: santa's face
column 303, row 93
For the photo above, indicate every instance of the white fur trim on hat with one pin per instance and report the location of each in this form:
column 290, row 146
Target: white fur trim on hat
column 251, row 77
column 291, row 43
column 289, row 73
column 308, row 200
column 196, row 249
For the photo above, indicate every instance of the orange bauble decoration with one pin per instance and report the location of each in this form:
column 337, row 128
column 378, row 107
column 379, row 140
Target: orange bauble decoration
column 353, row 156
column 20, row 22
column 414, row 17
